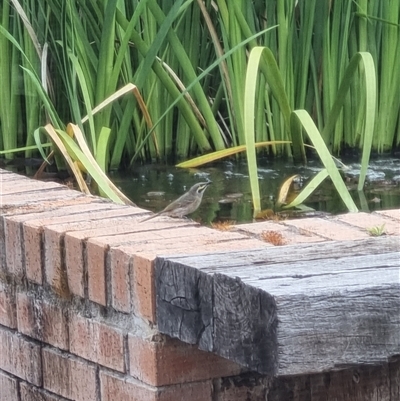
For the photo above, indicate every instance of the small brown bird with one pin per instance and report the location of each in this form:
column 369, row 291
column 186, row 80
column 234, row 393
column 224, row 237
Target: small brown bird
column 186, row 204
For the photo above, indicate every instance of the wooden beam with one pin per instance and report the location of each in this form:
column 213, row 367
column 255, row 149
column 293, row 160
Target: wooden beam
column 286, row 310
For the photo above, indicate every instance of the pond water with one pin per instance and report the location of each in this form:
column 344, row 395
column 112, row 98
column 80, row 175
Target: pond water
column 228, row 198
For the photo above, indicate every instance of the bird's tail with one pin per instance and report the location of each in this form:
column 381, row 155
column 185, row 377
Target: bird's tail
column 149, row 218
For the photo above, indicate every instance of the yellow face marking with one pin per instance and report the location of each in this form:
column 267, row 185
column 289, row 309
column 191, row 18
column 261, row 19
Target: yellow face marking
column 202, row 187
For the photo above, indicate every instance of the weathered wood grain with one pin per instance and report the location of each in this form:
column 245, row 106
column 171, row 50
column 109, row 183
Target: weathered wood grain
column 287, row 310
column 359, row 383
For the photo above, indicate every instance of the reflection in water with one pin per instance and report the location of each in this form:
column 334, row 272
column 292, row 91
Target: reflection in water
column 229, row 198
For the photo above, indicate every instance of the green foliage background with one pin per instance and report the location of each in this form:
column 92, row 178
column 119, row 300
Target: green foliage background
column 61, row 58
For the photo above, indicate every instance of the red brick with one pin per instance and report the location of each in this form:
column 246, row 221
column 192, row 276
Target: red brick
column 94, row 215
column 75, row 244
column 2, row 245
column 97, row 249
column 192, row 244
column 31, row 393
column 7, row 175
column 74, row 261
column 120, row 264
column 8, row 314
column 129, row 230
column 47, row 205
column 83, row 336
column 55, row 271
column 142, row 237
column 109, row 231
column 42, row 320
column 290, row 235
column 368, row 220
column 69, row 377
column 166, row 361
column 327, row 229
column 111, row 348
column 33, row 219
column 32, row 198
column 46, row 212
column 96, row 266
column 54, row 224
column 33, row 238
column 8, row 388
column 143, row 287
column 186, row 238
column 20, row 357
column 127, row 389
column 19, row 182
column 393, row 214
column 13, row 247
column 22, row 185
column 96, row 262
column 190, row 231
column 97, row 342
column 205, row 246
column 57, row 222
column 115, row 388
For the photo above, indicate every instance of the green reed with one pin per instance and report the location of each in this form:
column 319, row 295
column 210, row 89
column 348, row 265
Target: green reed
column 96, row 47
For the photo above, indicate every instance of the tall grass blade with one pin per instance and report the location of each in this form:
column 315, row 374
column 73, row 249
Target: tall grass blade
column 370, row 111
column 311, row 186
column 312, row 131
column 83, row 155
column 55, row 137
column 220, row 154
column 249, row 117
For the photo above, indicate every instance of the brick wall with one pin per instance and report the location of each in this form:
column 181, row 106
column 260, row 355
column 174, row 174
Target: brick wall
column 77, row 303
column 77, row 310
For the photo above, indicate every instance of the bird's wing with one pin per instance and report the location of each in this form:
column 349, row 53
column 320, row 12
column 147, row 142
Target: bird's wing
column 175, row 204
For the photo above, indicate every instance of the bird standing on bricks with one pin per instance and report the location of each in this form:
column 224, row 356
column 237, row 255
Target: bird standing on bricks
column 186, row 204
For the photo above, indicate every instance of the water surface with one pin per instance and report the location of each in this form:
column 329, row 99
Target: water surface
column 229, row 197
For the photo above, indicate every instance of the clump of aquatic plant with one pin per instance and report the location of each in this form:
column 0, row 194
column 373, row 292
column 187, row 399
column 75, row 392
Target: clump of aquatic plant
column 376, row 231
column 92, row 48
